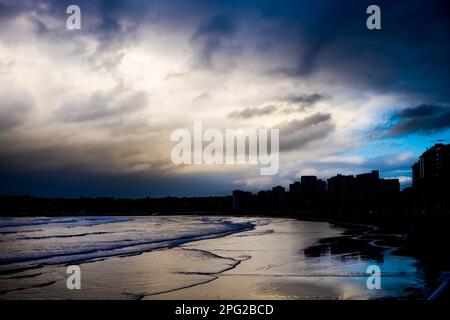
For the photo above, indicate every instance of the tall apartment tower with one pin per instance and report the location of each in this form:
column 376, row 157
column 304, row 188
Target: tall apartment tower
column 431, row 179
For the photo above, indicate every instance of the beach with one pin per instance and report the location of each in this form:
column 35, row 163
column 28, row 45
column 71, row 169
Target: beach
column 195, row 257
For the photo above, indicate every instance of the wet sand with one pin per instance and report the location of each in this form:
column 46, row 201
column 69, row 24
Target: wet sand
column 289, row 259
column 277, row 259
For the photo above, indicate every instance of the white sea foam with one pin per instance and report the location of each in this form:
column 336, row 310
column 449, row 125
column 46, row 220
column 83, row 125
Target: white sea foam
column 80, row 239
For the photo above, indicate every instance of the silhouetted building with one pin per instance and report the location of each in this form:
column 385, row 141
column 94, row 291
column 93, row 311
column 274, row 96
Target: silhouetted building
column 295, row 187
column 321, row 188
column 309, row 193
column 341, row 191
column 390, row 185
column 242, row 200
column 367, row 189
column 294, row 195
column 431, row 179
column 278, row 198
column 390, row 193
column 262, row 201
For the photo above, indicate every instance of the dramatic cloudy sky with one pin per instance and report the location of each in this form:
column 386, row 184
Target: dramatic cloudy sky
column 90, row 112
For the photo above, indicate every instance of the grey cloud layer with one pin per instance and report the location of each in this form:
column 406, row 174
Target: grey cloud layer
column 288, row 105
column 425, row 118
column 248, row 113
column 103, row 105
column 296, row 134
column 14, row 110
column 319, row 35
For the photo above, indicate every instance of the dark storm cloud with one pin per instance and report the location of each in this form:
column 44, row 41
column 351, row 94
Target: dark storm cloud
column 8, row 10
column 110, row 21
column 409, row 54
column 74, row 182
column 210, row 37
column 296, row 134
column 308, row 99
column 327, row 38
column 424, row 119
column 248, row 113
column 77, row 170
column 304, row 101
column 217, row 26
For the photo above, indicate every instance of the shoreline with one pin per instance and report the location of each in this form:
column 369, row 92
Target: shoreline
column 345, row 239
column 291, row 285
